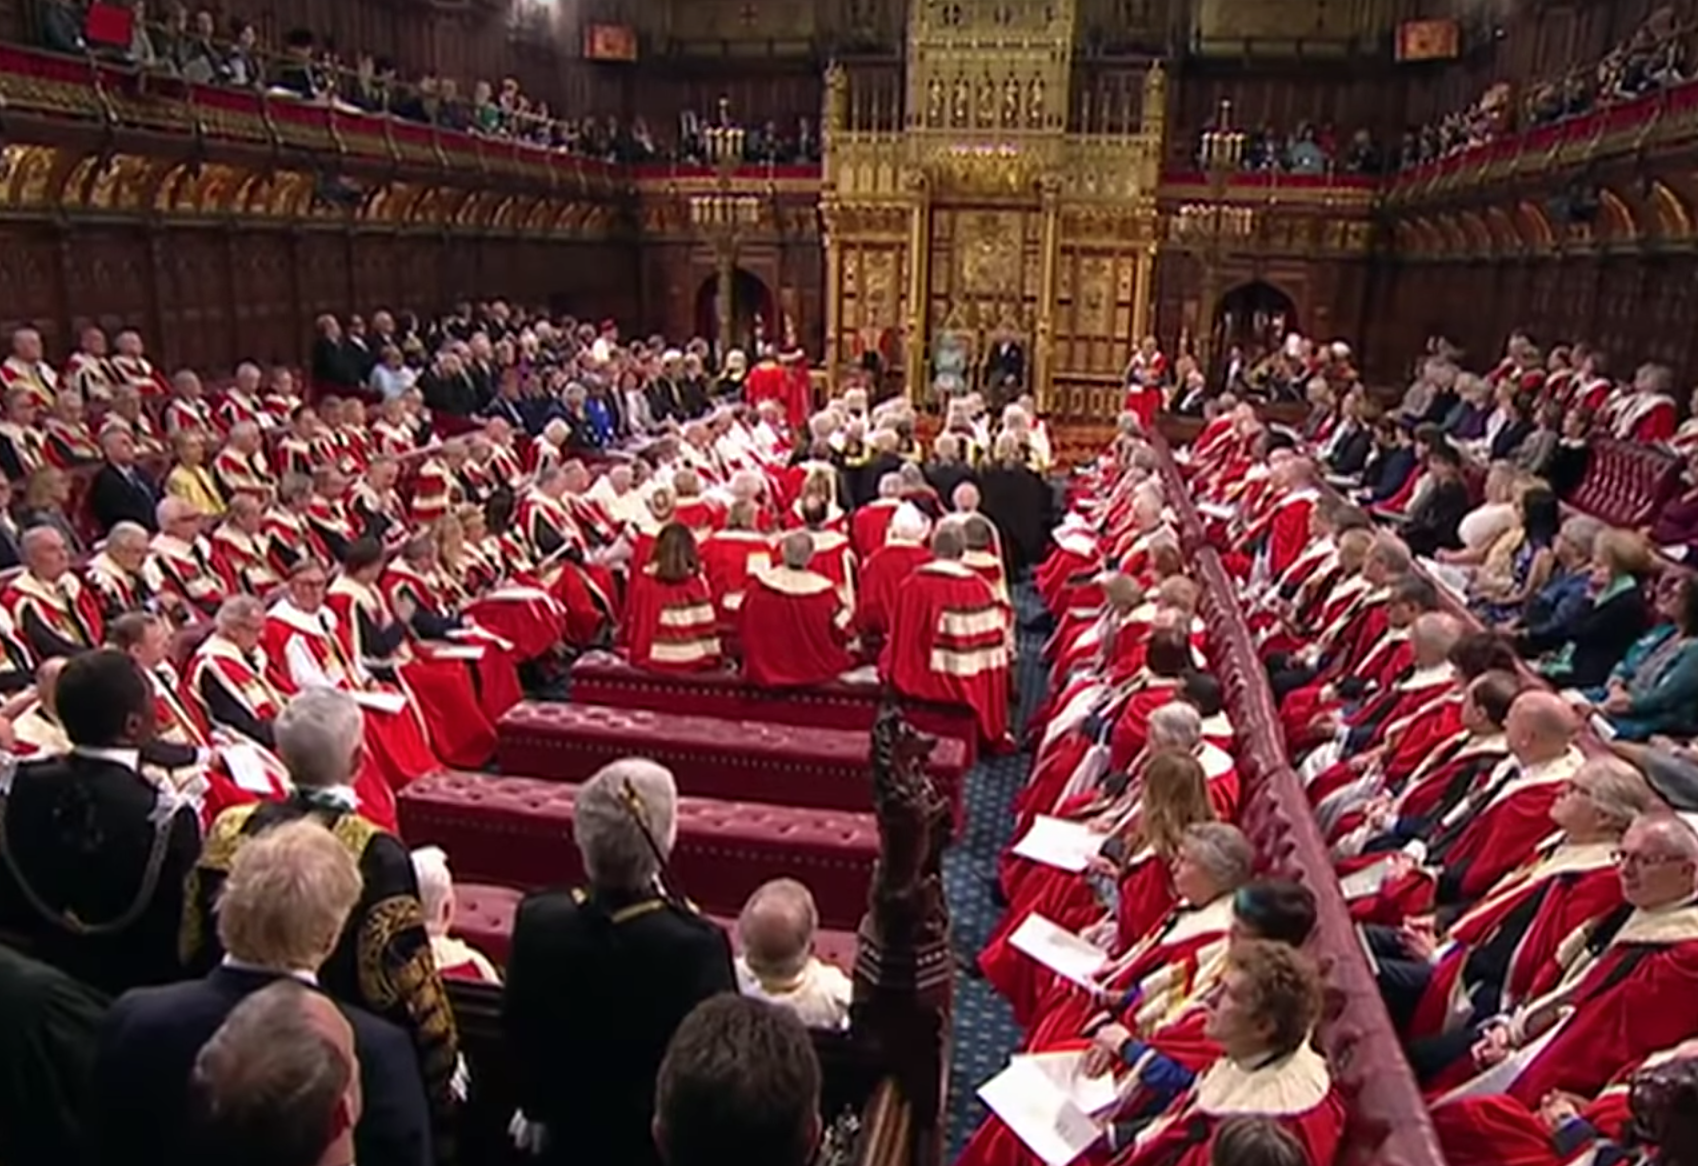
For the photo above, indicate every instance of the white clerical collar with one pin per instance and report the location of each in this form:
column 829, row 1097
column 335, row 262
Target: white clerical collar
column 304, row 975
column 129, row 758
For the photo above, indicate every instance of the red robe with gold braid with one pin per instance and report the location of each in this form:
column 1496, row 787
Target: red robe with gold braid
column 219, row 663
column 671, row 627
column 243, row 560
column 947, row 643
column 794, row 630
column 244, row 474
column 440, row 690
column 65, row 609
column 496, row 668
column 585, row 589
column 305, row 649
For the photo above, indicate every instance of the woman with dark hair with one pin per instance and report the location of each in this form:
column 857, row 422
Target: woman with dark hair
column 670, row 625
column 1655, row 687
column 1573, row 452
column 1521, row 563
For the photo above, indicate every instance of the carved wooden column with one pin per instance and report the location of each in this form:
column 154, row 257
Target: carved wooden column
column 1143, row 274
column 726, row 260
column 833, row 355
column 919, row 286
column 1043, row 356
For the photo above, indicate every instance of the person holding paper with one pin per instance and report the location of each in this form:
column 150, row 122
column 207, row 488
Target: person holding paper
column 1123, row 892
column 307, row 646
column 383, row 961
column 196, row 766
column 1632, row 990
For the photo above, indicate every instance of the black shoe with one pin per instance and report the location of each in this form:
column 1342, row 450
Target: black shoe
column 968, row 966
column 993, row 888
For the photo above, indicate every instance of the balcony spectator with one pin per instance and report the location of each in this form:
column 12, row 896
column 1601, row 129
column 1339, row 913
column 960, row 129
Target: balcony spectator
column 143, row 50
column 333, row 363
column 201, row 61
column 62, row 26
column 242, row 63
column 300, row 73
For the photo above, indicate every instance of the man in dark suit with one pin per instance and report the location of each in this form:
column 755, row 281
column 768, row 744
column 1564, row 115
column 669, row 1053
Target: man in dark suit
column 286, row 901
column 1435, row 520
column 1005, row 370
column 11, row 539
column 98, row 855
column 600, row 977
column 122, row 491
column 48, row 1028
column 382, row 960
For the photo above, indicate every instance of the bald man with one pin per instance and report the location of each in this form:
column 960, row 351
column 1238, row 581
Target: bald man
column 775, row 933
column 794, row 625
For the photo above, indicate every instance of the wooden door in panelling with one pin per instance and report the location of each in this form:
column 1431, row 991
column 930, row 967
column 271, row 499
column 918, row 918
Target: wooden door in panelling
column 29, row 275
column 264, row 307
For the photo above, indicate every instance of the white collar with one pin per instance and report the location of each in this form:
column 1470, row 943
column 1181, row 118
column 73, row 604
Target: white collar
column 320, row 623
column 128, row 758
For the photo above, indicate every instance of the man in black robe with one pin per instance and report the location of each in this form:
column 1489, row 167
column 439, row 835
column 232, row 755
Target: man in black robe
column 93, row 856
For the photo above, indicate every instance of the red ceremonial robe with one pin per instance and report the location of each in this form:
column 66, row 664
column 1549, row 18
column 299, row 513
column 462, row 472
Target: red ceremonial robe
column 496, row 666
column 1639, row 995
column 64, row 610
column 586, row 590
column 869, row 524
column 459, row 731
column 671, row 627
column 886, row 570
column 1527, row 918
column 729, row 559
column 948, row 643
column 793, row 630
column 250, row 685
column 307, row 649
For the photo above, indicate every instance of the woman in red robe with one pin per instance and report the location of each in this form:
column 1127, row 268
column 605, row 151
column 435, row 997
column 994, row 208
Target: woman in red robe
column 670, row 624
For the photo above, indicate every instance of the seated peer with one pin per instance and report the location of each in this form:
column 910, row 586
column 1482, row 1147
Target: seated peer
column 288, row 898
column 1486, row 523
column 670, row 624
column 794, row 627
column 455, row 958
column 1581, row 652
column 53, row 611
column 1654, row 690
column 1596, row 1021
column 1507, row 948
column 97, row 855
column 740, row 1082
column 584, row 1065
column 777, row 964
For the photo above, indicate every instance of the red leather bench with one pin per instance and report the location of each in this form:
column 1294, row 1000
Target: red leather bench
column 605, row 678
column 741, row 760
column 486, row 912
column 1626, row 483
column 517, row 831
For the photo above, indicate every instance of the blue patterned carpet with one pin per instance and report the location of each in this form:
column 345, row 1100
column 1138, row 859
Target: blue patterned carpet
column 984, row 1029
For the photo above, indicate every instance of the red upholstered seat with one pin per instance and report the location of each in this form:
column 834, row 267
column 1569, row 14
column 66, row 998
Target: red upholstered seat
column 1625, row 483
column 605, row 678
column 517, row 831
column 751, row 761
column 486, row 912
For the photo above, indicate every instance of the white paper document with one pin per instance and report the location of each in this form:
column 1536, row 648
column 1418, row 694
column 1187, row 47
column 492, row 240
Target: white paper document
column 456, row 652
column 1451, row 578
column 1217, row 510
column 1048, row 1105
column 381, row 702
column 1365, row 882
column 1059, row 843
column 1502, row 1075
column 247, row 769
column 1060, row 951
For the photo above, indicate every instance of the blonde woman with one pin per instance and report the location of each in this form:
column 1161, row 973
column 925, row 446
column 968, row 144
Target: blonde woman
column 191, row 479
